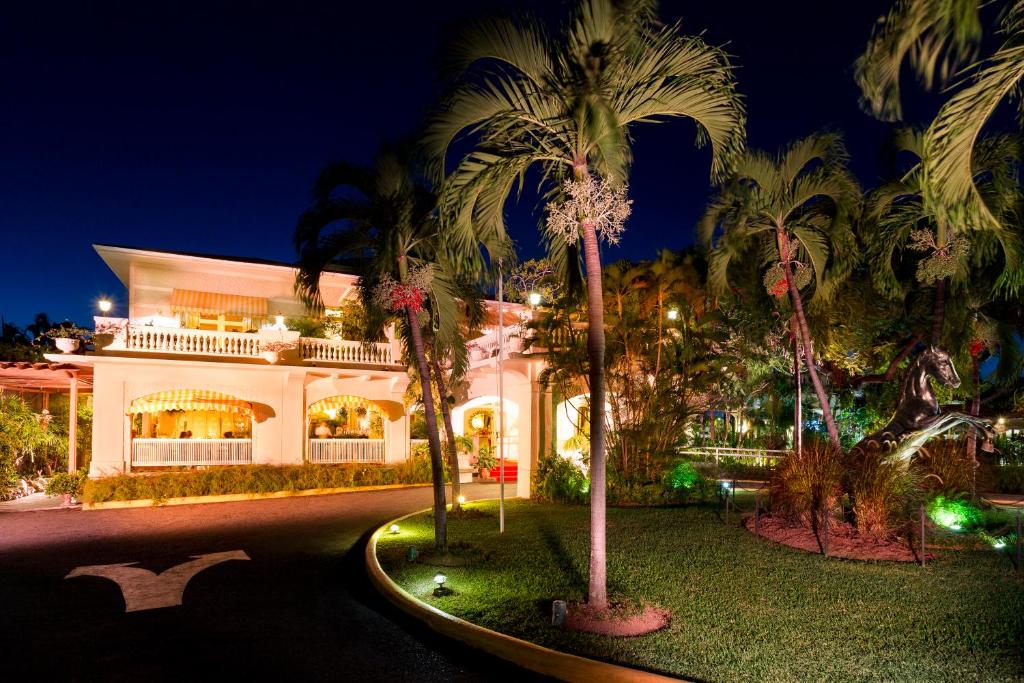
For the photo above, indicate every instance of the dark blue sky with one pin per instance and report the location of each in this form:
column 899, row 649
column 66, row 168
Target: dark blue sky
column 201, row 126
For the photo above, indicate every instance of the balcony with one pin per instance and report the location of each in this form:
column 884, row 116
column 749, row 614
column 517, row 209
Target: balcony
column 116, row 335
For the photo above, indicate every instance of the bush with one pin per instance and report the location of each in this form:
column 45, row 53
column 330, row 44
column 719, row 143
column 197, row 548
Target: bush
column 953, row 512
column 66, row 483
column 1007, row 479
column 806, row 485
column 944, row 466
column 253, row 479
column 560, row 480
column 882, row 492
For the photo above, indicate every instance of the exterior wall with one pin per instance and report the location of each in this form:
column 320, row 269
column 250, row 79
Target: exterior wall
column 279, row 394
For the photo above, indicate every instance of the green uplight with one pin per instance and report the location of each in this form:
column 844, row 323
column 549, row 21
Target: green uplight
column 683, row 476
column 955, row 515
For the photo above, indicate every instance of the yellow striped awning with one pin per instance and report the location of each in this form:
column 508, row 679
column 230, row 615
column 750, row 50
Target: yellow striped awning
column 188, row 399
column 336, row 403
column 214, row 303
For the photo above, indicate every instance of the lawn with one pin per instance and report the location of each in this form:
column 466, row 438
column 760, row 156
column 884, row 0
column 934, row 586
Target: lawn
column 743, row 608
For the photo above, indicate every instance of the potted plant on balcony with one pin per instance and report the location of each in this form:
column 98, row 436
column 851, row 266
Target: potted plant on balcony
column 67, row 337
column 271, row 351
column 66, row 484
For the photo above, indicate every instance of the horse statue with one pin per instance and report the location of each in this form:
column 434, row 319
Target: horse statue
column 919, row 417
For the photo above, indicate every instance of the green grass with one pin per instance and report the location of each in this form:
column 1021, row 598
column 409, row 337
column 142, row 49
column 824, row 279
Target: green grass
column 743, row 608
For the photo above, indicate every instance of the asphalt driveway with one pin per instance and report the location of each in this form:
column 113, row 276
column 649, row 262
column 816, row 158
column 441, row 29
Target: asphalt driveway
column 300, row 608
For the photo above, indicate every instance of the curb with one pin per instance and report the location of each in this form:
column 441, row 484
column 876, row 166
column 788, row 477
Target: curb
column 522, row 653
column 238, row 497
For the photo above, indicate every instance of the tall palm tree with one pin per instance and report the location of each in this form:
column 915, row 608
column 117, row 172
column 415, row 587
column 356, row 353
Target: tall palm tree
column 902, row 216
column 565, row 101
column 383, row 220
column 793, row 212
column 938, row 36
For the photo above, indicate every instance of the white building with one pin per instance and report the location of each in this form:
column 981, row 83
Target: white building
column 203, row 371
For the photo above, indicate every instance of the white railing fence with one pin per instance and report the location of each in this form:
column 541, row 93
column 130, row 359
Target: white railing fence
column 198, row 342
column 758, row 455
column 331, row 451
column 345, row 351
column 190, row 452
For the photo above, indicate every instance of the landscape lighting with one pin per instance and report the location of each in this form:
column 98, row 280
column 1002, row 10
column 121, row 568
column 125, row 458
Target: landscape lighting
column 462, row 500
column 439, row 579
column 393, row 528
column 104, row 305
column 673, row 314
column 534, row 298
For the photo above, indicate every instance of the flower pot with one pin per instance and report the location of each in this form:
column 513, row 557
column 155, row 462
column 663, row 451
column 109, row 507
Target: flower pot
column 271, row 356
column 67, row 499
column 66, row 345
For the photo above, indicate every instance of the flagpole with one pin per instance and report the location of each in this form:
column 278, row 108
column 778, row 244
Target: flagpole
column 501, row 401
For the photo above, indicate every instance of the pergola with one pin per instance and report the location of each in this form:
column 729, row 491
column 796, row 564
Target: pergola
column 46, row 379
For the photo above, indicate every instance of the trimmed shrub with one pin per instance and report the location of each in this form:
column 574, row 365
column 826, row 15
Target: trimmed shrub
column 253, row 479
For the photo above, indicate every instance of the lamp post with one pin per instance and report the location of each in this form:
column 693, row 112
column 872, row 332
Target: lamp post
column 501, row 400
column 104, row 305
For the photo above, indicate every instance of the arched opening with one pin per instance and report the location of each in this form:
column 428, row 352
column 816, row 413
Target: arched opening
column 478, row 421
column 190, row 427
column 343, row 429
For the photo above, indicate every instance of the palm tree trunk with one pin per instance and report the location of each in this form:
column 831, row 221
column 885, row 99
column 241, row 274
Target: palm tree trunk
column 939, row 312
column 433, row 440
column 446, row 414
column 974, row 408
column 597, row 595
column 812, row 372
column 798, row 423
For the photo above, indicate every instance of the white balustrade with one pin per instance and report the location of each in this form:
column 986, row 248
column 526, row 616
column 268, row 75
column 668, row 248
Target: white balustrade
column 194, row 342
column 345, row 351
column 332, row 451
column 190, row 452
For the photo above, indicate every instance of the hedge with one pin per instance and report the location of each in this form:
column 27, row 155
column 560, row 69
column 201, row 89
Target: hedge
column 252, row 479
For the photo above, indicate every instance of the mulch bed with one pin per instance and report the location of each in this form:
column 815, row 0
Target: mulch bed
column 619, row 620
column 844, row 541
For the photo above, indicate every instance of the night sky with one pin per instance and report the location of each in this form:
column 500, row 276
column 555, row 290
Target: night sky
column 201, row 127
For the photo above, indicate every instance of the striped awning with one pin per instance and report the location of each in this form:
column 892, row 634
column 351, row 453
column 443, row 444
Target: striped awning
column 214, row 303
column 189, row 399
column 336, row 403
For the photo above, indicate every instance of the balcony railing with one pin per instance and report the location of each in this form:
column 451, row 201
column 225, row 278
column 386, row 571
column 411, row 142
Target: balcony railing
column 190, row 452
column 331, row 451
column 345, row 351
column 194, row 342
column 125, row 336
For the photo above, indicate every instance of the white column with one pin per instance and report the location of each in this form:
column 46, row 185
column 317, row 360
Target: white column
column 73, row 424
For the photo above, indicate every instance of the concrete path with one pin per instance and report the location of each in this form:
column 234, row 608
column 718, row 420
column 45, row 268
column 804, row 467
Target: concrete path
column 33, row 501
column 270, row 589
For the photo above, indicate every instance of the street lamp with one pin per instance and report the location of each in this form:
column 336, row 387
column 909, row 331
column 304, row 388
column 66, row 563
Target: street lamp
column 104, row 305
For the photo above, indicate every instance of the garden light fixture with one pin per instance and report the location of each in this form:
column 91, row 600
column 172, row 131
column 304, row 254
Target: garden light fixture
column 439, row 579
column 534, row 298
column 462, row 500
column 393, row 528
column 673, row 314
column 104, row 305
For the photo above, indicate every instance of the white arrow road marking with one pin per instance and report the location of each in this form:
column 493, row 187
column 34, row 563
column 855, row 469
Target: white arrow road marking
column 143, row 589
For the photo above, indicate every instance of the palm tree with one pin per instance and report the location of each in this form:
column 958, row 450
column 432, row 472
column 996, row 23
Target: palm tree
column 793, row 212
column 939, row 36
column 565, row 101
column 902, row 216
column 385, row 223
